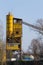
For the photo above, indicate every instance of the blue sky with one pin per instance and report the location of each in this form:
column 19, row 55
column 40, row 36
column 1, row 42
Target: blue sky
column 28, row 10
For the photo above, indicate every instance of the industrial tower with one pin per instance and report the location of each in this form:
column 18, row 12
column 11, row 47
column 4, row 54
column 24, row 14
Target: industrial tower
column 13, row 35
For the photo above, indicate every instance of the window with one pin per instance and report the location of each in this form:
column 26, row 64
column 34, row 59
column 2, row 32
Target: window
column 17, row 32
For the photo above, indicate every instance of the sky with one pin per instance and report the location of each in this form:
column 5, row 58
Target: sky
column 28, row 10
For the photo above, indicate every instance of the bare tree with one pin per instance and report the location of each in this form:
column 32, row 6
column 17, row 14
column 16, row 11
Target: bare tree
column 39, row 23
column 35, row 46
column 1, row 42
column 41, row 49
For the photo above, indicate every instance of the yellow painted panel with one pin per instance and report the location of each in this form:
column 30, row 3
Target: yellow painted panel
column 17, row 35
column 9, row 25
column 17, row 25
column 17, row 28
column 12, row 47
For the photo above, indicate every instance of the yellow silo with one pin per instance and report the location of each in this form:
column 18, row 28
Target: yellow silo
column 9, row 19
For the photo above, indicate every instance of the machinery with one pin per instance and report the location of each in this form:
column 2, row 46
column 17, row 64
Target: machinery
column 14, row 35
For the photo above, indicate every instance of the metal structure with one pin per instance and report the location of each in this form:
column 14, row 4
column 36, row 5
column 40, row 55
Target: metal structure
column 37, row 28
column 14, row 35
